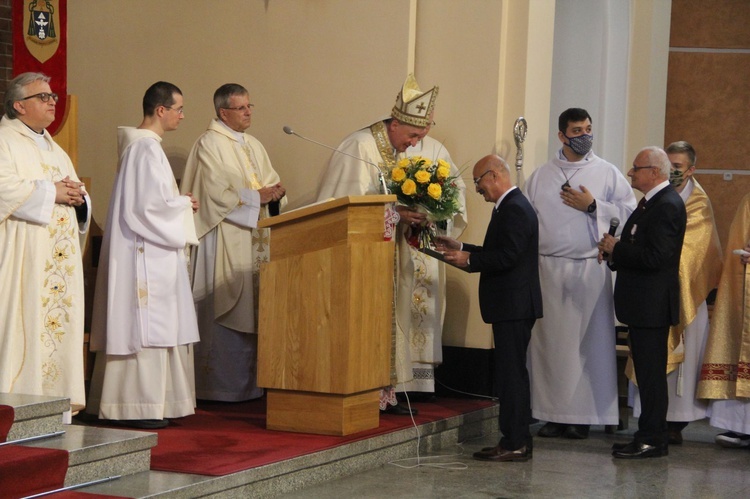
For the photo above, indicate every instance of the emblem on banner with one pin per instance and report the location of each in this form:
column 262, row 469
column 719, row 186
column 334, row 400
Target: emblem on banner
column 41, row 17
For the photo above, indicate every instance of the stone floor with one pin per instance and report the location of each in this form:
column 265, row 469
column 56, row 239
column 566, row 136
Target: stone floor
column 560, row 468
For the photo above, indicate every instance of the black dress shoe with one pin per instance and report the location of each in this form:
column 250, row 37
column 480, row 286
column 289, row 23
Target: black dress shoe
column 635, row 450
column 552, row 430
column 529, row 448
column 400, row 410
column 500, row 455
column 577, row 431
column 619, row 445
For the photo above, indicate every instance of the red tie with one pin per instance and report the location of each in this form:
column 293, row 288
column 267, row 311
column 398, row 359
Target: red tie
column 641, row 204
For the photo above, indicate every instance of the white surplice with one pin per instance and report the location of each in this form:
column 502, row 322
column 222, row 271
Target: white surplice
column 144, row 315
column 572, row 361
column 42, row 308
column 224, row 171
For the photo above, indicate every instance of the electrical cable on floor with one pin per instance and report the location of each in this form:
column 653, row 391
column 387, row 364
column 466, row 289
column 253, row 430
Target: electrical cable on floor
column 418, row 458
column 455, row 390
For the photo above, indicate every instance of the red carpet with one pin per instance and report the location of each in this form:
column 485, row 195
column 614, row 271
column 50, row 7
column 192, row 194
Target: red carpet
column 226, row 438
column 20, row 468
column 6, row 421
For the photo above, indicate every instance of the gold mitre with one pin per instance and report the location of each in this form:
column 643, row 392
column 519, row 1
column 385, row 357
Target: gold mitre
column 413, row 106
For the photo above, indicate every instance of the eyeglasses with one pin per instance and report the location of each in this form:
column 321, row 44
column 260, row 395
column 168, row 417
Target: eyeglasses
column 178, row 110
column 636, row 168
column 44, row 97
column 242, row 109
column 479, row 178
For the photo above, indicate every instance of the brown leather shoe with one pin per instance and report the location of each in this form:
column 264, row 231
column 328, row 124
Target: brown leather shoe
column 498, row 454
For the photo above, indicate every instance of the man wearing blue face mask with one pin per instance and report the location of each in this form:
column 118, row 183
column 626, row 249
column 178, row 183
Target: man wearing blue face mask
column 572, row 361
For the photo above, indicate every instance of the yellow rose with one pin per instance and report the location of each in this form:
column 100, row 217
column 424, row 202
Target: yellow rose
column 443, row 172
column 409, row 187
column 422, row 176
column 398, row 174
column 416, row 159
column 403, row 163
column 435, row 191
column 442, row 162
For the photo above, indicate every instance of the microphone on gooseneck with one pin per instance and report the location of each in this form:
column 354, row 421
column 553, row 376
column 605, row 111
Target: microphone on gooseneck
column 288, row 130
column 614, row 222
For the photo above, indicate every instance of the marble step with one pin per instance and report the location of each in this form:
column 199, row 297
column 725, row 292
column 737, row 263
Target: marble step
column 96, row 453
column 282, row 477
column 34, row 414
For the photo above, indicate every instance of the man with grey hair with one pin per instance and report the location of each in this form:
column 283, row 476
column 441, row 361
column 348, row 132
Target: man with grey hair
column 230, row 174
column 44, row 212
column 700, row 270
column 647, row 292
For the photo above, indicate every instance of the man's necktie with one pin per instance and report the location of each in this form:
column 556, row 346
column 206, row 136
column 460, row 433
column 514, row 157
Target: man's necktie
column 641, row 204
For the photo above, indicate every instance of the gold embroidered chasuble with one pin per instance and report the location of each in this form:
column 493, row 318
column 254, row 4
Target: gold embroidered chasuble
column 41, row 342
column 700, row 269
column 218, row 167
column 725, row 373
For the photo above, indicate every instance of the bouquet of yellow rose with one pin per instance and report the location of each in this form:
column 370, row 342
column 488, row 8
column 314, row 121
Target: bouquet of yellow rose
column 426, row 186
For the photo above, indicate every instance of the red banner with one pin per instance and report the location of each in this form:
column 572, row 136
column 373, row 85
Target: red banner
column 40, row 44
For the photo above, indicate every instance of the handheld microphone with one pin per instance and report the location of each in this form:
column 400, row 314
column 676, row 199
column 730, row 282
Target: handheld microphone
column 614, row 222
column 381, row 178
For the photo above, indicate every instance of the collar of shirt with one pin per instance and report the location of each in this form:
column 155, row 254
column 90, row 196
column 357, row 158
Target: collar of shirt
column 588, row 157
column 656, row 189
column 497, row 205
column 687, row 190
column 238, row 135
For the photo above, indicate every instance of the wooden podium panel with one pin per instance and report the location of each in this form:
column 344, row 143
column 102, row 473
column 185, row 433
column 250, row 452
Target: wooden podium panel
column 324, row 330
column 325, row 316
column 321, row 413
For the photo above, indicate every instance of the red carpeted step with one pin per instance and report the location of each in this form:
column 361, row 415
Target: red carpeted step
column 225, row 438
column 31, row 470
column 7, row 414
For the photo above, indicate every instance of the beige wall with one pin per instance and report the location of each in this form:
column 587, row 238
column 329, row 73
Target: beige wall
column 326, row 68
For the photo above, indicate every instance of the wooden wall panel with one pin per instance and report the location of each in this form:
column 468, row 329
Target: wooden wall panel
column 708, row 104
column 725, row 196
column 708, row 95
column 710, row 23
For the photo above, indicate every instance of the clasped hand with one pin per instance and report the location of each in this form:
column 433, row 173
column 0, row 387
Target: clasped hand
column 69, row 192
column 271, row 193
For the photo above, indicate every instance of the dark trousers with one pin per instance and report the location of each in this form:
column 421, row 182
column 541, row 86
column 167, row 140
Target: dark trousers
column 512, row 381
column 649, row 349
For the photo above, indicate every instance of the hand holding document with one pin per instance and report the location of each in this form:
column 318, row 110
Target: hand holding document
column 448, row 251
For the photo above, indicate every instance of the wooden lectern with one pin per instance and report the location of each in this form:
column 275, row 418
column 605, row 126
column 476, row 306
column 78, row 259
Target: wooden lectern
column 325, row 316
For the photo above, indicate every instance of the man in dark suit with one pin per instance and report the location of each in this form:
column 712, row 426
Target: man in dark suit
column 510, row 298
column 647, row 293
